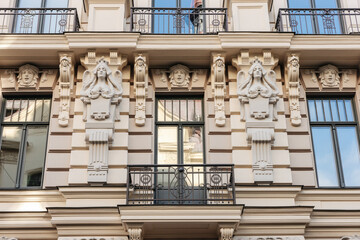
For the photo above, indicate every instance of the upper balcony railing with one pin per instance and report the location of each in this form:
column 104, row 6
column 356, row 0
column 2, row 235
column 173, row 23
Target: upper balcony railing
column 179, row 20
column 38, row 20
column 180, row 184
column 319, row 21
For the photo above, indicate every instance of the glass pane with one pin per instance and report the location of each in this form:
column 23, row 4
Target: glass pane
column 327, row 111
column 312, row 110
column 341, row 108
column 183, row 110
column 31, row 111
column 38, row 110
column 8, row 110
column 324, row 3
column 35, row 146
column 168, row 104
column 349, row 153
column 160, row 110
column 319, row 110
column 299, row 4
column 16, row 110
column 325, row 157
column 27, row 21
column 349, row 110
column 198, row 111
column 193, row 145
column 46, row 112
column 334, row 110
column 176, row 109
column 24, row 105
column 165, row 3
column 56, row 3
column 191, row 110
column 167, row 152
column 187, row 3
column 10, row 147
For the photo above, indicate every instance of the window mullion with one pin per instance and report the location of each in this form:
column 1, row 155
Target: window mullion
column 21, row 156
column 338, row 157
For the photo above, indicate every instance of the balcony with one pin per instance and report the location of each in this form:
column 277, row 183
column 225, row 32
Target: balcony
column 319, row 21
column 38, row 20
column 179, row 20
column 180, row 185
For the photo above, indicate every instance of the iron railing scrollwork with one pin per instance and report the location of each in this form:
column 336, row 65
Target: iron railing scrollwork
column 180, row 184
column 179, row 20
column 319, row 21
column 38, row 20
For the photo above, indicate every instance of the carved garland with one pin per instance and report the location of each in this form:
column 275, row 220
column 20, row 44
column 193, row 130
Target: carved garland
column 219, row 88
column 293, row 87
column 140, row 88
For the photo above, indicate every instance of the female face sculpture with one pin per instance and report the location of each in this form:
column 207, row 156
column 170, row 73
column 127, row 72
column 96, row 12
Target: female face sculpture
column 101, row 71
column 28, row 75
column 329, row 76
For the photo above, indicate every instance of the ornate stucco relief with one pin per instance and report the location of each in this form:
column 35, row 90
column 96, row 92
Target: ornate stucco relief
column 293, row 85
column 135, row 233
column 270, row 238
column 101, row 94
column 329, row 78
column 355, row 237
column 218, row 84
column 258, row 96
column 28, row 77
column 140, row 88
column 178, row 77
column 226, row 233
column 66, row 79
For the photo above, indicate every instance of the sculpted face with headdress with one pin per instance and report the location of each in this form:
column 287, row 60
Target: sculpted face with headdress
column 101, row 82
column 258, row 82
column 179, row 75
column 28, row 75
column 329, row 76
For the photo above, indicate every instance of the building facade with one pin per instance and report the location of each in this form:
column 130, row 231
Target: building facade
column 180, row 119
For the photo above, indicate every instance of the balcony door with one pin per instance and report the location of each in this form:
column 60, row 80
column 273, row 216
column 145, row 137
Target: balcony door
column 175, row 16
column 180, row 151
column 41, row 16
column 315, row 17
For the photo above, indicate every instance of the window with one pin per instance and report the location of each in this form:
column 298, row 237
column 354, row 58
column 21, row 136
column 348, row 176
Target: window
column 313, row 21
column 24, row 130
column 176, row 21
column 335, row 141
column 35, row 20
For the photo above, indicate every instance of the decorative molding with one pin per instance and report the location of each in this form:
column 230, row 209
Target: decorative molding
column 8, row 238
column 226, row 233
column 293, row 84
column 101, row 95
column 270, row 238
column 218, row 83
column 329, row 77
column 179, row 77
column 140, row 89
column 135, row 233
column 355, row 237
column 92, row 238
column 258, row 96
column 28, row 76
column 65, row 87
column 259, row 90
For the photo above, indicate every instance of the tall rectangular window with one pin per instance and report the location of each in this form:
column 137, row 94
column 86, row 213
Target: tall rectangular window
column 336, row 142
column 24, row 131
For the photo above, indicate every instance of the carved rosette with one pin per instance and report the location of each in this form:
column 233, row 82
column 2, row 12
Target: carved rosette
column 293, row 89
column 140, row 89
column 135, row 233
column 65, row 87
column 101, row 94
column 218, row 88
column 258, row 97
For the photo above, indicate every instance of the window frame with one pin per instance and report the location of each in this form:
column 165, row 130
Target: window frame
column 180, row 126
column 24, row 134
column 335, row 141
column 312, row 3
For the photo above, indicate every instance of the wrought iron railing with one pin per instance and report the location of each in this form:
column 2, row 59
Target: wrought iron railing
column 179, row 20
column 319, row 21
column 38, row 20
column 180, row 184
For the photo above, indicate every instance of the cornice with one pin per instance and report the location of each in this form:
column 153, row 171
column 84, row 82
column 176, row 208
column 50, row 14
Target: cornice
column 325, row 42
column 319, row 194
column 29, row 41
column 93, row 192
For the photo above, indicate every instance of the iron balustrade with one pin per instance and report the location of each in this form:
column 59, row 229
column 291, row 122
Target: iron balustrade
column 180, row 184
column 38, row 20
column 179, row 20
column 319, row 21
